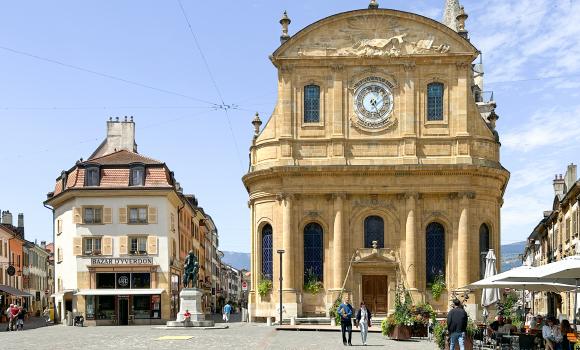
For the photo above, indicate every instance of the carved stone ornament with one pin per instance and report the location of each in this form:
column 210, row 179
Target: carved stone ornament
column 396, row 45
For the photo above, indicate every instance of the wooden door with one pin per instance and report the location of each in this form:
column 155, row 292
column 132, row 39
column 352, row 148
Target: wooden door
column 374, row 293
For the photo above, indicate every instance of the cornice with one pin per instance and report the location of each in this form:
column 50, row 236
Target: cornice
column 381, row 170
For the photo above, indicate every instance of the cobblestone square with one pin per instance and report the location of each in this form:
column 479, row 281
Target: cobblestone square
column 237, row 336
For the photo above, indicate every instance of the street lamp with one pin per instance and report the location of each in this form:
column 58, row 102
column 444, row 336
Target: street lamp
column 280, row 251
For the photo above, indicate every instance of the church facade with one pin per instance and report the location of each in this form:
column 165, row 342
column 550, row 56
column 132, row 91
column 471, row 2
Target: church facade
column 379, row 166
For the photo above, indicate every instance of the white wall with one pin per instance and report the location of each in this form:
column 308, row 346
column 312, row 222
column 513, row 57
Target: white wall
column 67, row 270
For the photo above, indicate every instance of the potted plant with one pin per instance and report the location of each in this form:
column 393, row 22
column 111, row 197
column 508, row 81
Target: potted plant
column 312, row 283
column 423, row 314
column 264, row 286
column 438, row 286
column 398, row 326
column 333, row 312
column 441, row 338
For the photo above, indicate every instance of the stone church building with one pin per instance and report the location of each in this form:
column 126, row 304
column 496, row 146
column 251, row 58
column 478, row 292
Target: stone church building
column 379, row 166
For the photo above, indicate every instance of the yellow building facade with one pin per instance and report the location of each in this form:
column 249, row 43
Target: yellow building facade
column 376, row 167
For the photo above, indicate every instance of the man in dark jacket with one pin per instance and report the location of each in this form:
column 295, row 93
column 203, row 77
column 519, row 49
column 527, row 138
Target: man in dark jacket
column 457, row 325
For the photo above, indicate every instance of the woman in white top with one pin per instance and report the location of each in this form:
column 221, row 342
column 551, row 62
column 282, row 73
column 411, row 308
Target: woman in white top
column 363, row 319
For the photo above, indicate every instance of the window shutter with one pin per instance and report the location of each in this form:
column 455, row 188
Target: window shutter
column 152, row 245
column 77, row 216
column 107, row 215
column 107, row 245
column 59, row 226
column 123, row 215
column 77, row 246
column 152, row 215
column 123, row 243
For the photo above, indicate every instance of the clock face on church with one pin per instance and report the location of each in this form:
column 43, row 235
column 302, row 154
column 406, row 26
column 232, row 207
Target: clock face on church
column 373, row 102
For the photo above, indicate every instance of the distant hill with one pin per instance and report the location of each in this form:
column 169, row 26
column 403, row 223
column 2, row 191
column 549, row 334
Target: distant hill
column 237, row 260
column 510, row 255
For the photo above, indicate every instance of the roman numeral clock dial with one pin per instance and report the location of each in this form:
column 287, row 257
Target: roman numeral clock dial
column 373, row 102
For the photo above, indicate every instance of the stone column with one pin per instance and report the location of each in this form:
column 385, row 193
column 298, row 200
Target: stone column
column 463, row 242
column 288, row 257
column 338, row 241
column 411, row 242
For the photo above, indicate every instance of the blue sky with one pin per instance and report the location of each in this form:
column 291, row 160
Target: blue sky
column 67, row 66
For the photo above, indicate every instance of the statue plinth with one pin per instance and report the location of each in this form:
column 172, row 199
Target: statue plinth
column 191, row 301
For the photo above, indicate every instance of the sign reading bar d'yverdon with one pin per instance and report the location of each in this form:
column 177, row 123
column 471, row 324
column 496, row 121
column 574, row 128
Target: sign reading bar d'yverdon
column 122, row 261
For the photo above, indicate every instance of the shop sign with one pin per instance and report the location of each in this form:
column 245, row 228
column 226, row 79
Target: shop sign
column 122, row 261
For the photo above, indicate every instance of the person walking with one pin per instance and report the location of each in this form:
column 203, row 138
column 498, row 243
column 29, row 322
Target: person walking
column 20, row 318
column 10, row 325
column 46, row 315
column 363, row 320
column 457, row 325
column 345, row 312
column 227, row 312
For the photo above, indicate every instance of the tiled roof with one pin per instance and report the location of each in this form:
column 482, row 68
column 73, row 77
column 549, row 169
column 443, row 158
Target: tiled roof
column 123, row 157
column 116, row 172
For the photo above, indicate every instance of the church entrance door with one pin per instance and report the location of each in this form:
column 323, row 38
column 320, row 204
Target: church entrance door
column 375, row 292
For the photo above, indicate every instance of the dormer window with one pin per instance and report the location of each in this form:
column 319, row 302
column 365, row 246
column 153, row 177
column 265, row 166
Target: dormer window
column 92, row 176
column 137, row 176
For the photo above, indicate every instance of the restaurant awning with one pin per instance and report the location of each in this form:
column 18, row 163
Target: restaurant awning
column 119, row 291
column 14, row 291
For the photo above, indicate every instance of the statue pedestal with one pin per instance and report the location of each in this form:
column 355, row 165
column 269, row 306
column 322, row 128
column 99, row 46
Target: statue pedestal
column 191, row 301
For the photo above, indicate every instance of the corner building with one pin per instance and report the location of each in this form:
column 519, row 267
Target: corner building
column 116, row 235
column 380, row 154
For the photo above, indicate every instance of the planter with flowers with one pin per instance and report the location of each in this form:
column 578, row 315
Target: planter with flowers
column 399, row 325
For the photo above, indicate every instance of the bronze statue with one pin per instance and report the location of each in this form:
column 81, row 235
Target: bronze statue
column 190, row 269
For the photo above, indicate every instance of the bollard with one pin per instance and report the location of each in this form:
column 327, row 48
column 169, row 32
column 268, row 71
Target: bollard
column 268, row 321
column 292, row 321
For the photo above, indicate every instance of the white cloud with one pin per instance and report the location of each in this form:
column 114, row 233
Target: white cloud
column 550, row 127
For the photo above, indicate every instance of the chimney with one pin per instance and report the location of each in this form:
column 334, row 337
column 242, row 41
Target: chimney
column 7, row 217
column 570, row 177
column 43, row 244
column 120, row 136
column 20, row 220
column 559, row 185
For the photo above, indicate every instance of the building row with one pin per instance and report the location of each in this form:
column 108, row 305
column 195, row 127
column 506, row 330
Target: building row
column 26, row 268
column 123, row 227
column 555, row 237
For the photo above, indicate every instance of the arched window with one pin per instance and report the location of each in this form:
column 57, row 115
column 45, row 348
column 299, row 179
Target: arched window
column 435, row 251
column 313, row 252
column 267, row 252
column 435, row 101
column 374, row 231
column 312, row 104
column 484, row 245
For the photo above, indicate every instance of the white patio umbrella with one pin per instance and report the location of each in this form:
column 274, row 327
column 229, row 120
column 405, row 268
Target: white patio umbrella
column 490, row 295
column 505, row 280
column 565, row 271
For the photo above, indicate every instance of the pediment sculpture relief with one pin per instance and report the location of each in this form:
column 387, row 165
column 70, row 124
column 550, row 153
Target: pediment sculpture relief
column 369, row 36
column 394, row 46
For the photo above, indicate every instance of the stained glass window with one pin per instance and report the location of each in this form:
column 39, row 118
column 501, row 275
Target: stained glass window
column 313, row 252
column 483, row 248
column 267, row 252
column 312, row 104
column 374, row 231
column 435, row 254
column 435, row 101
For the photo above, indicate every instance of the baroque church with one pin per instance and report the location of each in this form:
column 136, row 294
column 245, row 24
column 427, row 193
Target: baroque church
column 379, row 167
